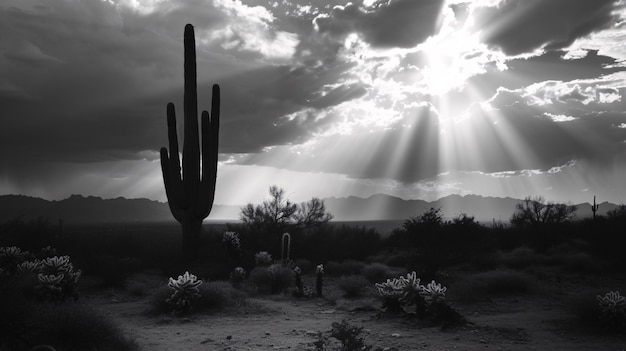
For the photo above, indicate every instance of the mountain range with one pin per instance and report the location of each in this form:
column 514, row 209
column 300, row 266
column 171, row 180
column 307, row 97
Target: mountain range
column 90, row 209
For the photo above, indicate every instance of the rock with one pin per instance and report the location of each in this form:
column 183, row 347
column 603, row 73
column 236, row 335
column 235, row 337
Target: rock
column 396, row 335
column 229, row 337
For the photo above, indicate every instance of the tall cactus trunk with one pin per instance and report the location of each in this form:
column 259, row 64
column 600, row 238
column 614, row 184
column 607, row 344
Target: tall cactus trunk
column 191, row 227
column 190, row 195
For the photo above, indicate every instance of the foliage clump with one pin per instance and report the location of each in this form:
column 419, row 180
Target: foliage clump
column 349, row 336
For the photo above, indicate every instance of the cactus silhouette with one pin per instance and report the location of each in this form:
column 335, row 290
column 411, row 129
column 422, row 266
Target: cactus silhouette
column 594, row 207
column 190, row 195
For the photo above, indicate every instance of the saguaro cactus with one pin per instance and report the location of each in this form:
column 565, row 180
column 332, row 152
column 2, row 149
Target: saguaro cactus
column 190, row 195
column 594, row 207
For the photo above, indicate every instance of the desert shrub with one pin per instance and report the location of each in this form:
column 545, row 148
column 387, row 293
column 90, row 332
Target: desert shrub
column 583, row 304
column 519, row 258
column 273, row 279
column 218, row 295
column 347, row 267
column 498, row 282
column 237, row 277
column 73, row 326
column 158, row 300
column 137, row 288
column 580, row 262
column 352, row 285
column 396, row 261
column 112, row 271
column 28, row 235
column 376, row 272
column 349, row 336
column 262, row 259
column 328, row 243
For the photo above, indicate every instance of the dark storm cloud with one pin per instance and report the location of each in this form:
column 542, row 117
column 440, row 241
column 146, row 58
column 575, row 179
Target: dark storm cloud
column 396, row 23
column 521, row 26
column 279, row 105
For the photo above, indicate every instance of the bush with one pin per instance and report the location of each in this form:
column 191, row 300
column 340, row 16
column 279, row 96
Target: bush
column 273, row 279
column 498, row 282
column 352, row 285
column 377, row 272
column 519, row 258
column 74, row 326
column 262, row 259
column 219, row 295
column 347, row 267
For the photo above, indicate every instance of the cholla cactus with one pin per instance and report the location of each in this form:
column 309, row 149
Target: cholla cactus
column 185, row 291
column 612, row 309
column 407, row 291
column 29, row 267
column 434, row 292
column 263, row 259
column 411, row 290
column 57, row 279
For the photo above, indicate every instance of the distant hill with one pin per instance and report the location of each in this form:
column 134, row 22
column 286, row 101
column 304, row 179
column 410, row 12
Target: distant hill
column 80, row 209
column 484, row 209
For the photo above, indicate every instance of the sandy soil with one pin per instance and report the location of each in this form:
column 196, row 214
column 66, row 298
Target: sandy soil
column 284, row 323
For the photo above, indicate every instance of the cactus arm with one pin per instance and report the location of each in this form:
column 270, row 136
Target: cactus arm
column 191, row 146
column 210, row 141
column 170, row 166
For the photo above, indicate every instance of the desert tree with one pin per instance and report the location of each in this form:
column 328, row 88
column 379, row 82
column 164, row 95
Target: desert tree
column 280, row 214
column 536, row 211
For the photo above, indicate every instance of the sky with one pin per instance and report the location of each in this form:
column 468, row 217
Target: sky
column 418, row 99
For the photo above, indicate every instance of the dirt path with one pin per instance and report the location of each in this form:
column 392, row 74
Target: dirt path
column 283, row 323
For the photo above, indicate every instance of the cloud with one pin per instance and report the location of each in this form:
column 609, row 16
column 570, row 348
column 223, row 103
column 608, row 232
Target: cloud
column 522, row 26
column 384, row 24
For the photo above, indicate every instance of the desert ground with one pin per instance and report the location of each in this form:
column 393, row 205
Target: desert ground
column 538, row 321
column 515, row 291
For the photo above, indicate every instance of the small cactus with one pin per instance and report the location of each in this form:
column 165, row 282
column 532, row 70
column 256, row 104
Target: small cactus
column 319, row 281
column 285, row 247
column 299, row 292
